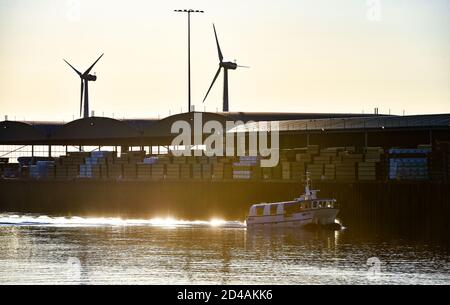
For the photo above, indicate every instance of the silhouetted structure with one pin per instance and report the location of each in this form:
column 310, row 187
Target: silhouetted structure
column 226, row 65
column 189, row 11
column 85, row 78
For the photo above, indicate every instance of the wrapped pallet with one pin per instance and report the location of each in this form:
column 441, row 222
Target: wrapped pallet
column 43, row 170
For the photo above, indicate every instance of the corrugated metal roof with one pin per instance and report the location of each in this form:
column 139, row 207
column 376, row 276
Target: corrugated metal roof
column 435, row 120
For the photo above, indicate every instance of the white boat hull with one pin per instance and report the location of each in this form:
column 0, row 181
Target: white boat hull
column 323, row 216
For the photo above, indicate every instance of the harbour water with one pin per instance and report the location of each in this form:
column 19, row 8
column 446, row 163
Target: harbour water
column 71, row 250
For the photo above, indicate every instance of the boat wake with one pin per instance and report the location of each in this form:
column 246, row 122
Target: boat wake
column 49, row 221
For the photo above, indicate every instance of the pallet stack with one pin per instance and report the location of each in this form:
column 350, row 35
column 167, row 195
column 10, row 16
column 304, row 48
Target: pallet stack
column 245, row 168
column 312, row 149
column 329, row 172
column 196, row 171
column 286, row 170
column 367, row 171
column 129, row 171
column 90, row 171
column 266, row 173
column 408, row 164
column 114, row 171
column 134, row 157
column 173, row 171
column 373, row 154
column 346, row 171
column 158, row 171
column 60, row 171
column 179, row 160
column 218, row 171
column 322, row 159
column 42, row 170
column 315, row 171
column 185, row 171
column 206, row 171
column 71, row 162
column 303, row 158
column 292, row 170
column 277, row 172
column 144, row 171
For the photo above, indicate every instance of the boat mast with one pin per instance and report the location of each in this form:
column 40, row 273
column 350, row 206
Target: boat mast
column 308, row 185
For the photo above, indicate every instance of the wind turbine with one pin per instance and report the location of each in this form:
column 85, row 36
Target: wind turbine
column 85, row 79
column 226, row 65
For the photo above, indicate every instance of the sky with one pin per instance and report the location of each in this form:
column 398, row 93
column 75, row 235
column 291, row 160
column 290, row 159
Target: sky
column 304, row 56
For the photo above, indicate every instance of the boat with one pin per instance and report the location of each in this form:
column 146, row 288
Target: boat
column 306, row 210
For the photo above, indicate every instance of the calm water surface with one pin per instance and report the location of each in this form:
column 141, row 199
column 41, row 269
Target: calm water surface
column 46, row 250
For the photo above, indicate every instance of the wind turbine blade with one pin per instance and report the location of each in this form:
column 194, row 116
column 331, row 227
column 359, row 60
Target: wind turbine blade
column 243, row 66
column 81, row 96
column 78, row 72
column 215, row 77
column 218, row 46
column 90, row 68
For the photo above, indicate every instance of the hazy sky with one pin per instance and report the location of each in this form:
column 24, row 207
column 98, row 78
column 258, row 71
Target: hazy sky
column 305, row 56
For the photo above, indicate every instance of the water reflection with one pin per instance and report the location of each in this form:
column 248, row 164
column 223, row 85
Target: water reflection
column 192, row 253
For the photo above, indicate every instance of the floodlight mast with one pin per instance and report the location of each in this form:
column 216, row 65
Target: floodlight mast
column 189, row 11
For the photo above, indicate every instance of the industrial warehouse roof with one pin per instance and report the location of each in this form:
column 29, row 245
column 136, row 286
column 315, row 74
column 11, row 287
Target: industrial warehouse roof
column 383, row 122
column 107, row 131
column 279, row 116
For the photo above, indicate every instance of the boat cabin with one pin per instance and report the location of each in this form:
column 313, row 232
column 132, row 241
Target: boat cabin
column 290, row 207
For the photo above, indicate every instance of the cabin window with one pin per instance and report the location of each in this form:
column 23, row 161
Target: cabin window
column 273, row 209
column 259, row 211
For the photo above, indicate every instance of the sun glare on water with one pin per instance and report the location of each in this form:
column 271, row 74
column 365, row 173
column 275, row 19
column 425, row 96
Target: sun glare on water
column 169, row 222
